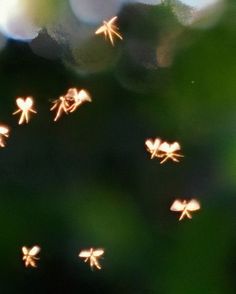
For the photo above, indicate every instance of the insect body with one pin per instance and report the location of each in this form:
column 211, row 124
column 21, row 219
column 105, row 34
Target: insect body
column 62, row 105
column 25, row 106
column 92, row 255
column 76, row 98
column 29, row 255
column 185, row 207
column 70, row 102
column 109, row 29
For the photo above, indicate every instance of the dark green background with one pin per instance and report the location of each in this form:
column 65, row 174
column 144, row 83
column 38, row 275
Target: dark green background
column 87, row 181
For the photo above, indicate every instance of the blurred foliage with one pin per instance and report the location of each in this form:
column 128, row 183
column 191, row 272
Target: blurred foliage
column 87, row 181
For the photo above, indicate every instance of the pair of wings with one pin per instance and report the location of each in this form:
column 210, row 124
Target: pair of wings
column 89, row 253
column 31, row 251
column 24, row 104
column 164, row 147
column 82, row 95
column 153, row 145
column 169, row 148
column 179, row 205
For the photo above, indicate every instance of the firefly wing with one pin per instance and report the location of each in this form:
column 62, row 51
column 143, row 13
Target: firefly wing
column 98, row 252
column 174, row 147
column 34, row 250
column 153, row 144
column 150, row 145
column 164, row 147
column 28, row 102
column 20, row 102
column 177, row 206
column 101, row 30
column 84, row 253
column 25, row 250
column 84, row 96
column 157, row 143
column 193, row 205
column 4, row 130
column 112, row 20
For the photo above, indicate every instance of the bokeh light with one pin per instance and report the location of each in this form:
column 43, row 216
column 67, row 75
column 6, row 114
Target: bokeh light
column 15, row 22
column 200, row 4
column 198, row 13
column 91, row 11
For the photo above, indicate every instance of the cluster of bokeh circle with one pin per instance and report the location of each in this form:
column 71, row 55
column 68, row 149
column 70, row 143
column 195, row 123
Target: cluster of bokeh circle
column 65, row 29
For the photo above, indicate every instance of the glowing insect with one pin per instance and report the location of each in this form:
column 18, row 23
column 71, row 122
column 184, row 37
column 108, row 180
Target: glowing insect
column 25, row 106
column 185, row 207
column 77, row 98
column 109, row 29
column 168, row 151
column 152, row 146
column 62, row 104
column 4, row 132
column 92, row 255
column 29, row 255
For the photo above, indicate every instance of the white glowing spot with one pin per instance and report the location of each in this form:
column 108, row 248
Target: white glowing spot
column 29, row 255
column 185, row 207
column 94, row 11
column 15, row 22
column 92, row 255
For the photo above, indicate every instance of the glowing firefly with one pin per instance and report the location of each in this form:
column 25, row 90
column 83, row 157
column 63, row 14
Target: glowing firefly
column 168, row 151
column 62, row 105
column 4, row 133
column 29, row 255
column 25, row 106
column 92, row 255
column 109, row 29
column 152, row 146
column 185, row 207
column 77, row 98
